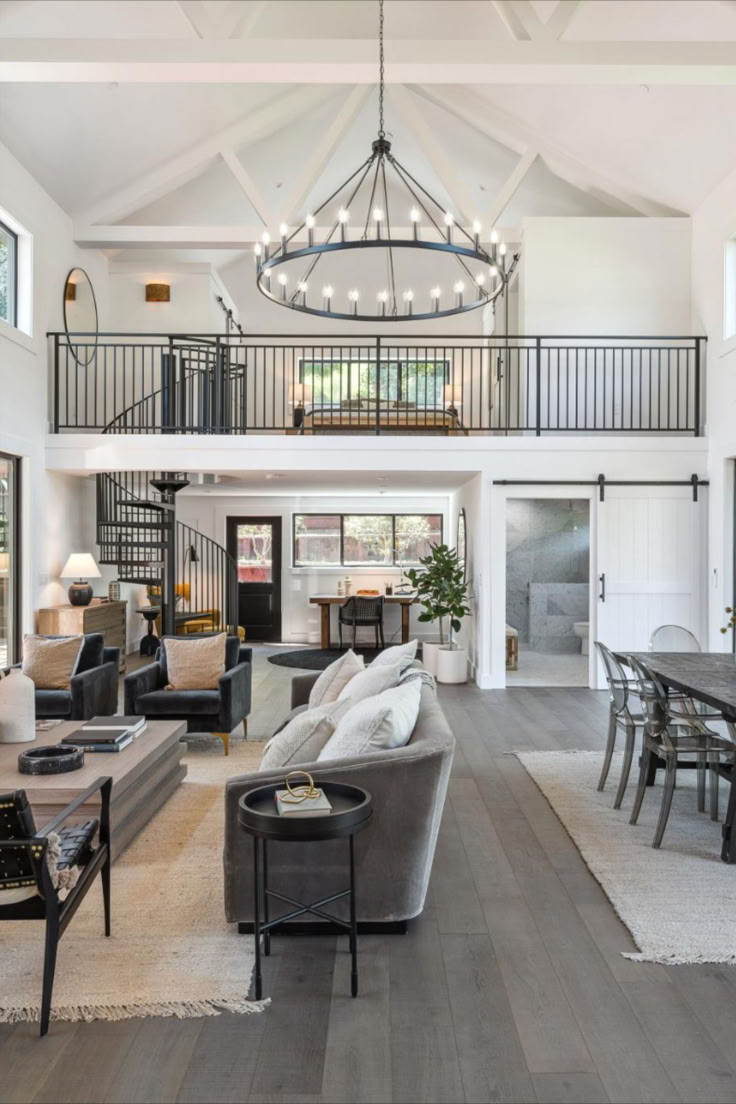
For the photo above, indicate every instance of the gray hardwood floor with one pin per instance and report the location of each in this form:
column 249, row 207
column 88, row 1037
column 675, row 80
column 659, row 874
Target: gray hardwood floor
column 510, row 986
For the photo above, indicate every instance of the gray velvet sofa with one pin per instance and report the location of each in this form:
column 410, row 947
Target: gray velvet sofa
column 393, row 854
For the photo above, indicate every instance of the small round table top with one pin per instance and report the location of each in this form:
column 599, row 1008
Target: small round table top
column 352, row 808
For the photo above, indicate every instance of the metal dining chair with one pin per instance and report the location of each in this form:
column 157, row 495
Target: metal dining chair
column 620, row 716
column 359, row 612
column 670, row 734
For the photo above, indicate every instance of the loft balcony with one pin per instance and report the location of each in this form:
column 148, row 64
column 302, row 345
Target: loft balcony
column 128, row 383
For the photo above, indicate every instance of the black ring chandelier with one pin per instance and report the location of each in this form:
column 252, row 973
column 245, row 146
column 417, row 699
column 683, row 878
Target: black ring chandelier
column 485, row 274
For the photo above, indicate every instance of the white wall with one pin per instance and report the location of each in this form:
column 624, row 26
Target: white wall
column 713, row 224
column 474, row 635
column 605, row 276
column 301, row 622
column 51, row 510
column 192, row 308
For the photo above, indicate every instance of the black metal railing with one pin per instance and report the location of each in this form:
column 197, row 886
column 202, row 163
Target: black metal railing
column 136, row 383
column 137, row 540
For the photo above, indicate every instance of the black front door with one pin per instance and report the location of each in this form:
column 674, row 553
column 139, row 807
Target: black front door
column 255, row 544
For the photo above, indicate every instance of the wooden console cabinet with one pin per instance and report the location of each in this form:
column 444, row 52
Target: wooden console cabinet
column 108, row 618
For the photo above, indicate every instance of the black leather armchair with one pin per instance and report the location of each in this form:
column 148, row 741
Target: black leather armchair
column 94, row 688
column 218, row 711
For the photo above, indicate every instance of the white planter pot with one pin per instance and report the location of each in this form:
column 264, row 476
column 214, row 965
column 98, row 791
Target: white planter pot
column 430, row 649
column 452, row 666
column 17, row 708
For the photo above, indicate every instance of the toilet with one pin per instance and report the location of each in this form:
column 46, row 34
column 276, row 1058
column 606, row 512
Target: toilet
column 580, row 629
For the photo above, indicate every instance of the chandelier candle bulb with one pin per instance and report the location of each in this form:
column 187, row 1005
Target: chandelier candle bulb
column 449, row 220
column 283, row 280
column 459, row 289
column 327, row 296
column 354, row 296
column 435, row 296
column 415, row 216
column 409, row 300
column 378, row 218
column 343, row 217
column 303, row 288
column 309, row 223
column 284, row 232
column 382, row 298
column 257, row 254
column 266, row 242
column 476, row 234
column 480, row 280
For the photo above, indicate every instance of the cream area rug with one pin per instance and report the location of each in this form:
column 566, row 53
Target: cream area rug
column 678, row 902
column 171, row 952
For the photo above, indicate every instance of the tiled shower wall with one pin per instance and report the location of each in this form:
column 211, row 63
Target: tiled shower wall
column 547, row 570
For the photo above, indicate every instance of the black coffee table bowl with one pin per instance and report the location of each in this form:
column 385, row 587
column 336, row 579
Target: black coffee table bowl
column 351, row 806
column 57, row 759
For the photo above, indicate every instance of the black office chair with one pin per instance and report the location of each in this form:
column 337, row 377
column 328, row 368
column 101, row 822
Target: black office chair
column 45, row 872
column 359, row 612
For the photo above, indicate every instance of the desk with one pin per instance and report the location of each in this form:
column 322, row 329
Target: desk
column 324, row 601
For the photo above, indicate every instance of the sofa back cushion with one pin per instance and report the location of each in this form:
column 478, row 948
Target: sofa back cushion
column 371, row 681
column 334, row 678
column 302, row 739
column 51, row 660
column 376, row 724
column 194, row 662
column 403, row 654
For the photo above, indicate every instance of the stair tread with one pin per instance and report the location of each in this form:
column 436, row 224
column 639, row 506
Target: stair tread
column 144, row 504
column 138, row 524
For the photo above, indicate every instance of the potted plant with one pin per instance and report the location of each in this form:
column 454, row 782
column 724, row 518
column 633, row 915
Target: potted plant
column 443, row 591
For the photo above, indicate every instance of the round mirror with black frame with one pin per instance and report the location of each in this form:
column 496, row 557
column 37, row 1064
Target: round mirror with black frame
column 461, row 542
column 80, row 316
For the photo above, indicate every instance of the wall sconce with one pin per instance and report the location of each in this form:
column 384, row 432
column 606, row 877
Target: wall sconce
column 158, row 293
column 70, row 291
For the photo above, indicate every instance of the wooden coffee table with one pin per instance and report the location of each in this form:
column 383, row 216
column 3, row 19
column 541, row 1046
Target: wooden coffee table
column 144, row 776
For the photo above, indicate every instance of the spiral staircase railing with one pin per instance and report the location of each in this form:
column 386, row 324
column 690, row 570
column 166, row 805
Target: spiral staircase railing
column 137, row 539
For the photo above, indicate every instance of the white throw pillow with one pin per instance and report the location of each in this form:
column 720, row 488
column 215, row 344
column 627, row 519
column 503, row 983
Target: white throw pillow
column 371, row 681
column 405, row 654
column 332, row 680
column 302, row 739
column 376, row 724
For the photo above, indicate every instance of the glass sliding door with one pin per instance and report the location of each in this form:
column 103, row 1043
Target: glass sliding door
column 9, row 560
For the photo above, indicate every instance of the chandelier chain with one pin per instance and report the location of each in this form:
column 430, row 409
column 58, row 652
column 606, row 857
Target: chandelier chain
column 381, row 131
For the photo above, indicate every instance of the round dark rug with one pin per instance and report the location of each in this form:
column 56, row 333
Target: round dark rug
column 316, row 659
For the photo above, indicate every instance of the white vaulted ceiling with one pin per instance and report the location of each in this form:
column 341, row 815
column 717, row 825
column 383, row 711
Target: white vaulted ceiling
column 191, row 124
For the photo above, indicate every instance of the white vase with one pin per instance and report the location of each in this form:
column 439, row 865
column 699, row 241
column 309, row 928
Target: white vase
column 17, row 708
column 429, row 655
column 452, row 665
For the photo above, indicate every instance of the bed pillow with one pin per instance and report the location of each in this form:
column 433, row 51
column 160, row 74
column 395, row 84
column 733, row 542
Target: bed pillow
column 51, row 661
column 302, row 739
column 334, row 678
column 370, row 682
column 376, row 724
column 404, row 654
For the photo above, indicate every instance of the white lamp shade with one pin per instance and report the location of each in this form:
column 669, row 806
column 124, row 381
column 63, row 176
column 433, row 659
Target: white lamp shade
column 80, row 565
column 453, row 393
column 302, row 393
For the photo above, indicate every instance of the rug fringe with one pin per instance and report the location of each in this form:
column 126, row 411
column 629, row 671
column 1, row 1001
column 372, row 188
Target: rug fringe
column 182, row 1010
column 680, row 960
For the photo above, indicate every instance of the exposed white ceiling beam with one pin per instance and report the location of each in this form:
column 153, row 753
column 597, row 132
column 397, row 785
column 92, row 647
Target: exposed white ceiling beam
column 310, row 172
column 407, row 105
column 205, row 237
column 511, row 185
column 248, row 186
column 562, row 17
column 502, row 127
column 353, row 61
column 247, row 18
column 521, row 20
column 164, row 179
column 195, row 15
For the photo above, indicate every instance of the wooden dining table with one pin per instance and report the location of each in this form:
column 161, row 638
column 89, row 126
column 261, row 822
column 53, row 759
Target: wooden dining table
column 709, row 677
column 326, row 601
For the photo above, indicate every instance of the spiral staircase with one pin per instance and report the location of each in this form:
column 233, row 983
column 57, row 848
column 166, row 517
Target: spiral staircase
column 185, row 572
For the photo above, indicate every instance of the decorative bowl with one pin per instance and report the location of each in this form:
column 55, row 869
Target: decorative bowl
column 57, row 759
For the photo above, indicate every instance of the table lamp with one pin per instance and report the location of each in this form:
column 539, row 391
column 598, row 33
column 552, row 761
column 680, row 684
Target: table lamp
column 80, row 566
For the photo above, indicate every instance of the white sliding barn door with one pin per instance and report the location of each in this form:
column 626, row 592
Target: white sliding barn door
column 652, row 554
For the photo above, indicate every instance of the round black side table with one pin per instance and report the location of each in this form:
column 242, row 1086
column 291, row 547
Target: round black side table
column 352, row 808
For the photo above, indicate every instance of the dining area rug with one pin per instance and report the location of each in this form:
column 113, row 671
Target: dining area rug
column 171, row 951
column 678, row 902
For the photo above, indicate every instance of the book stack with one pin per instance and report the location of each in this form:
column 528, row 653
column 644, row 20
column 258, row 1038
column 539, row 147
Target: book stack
column 318, row 805
column 106, row 733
